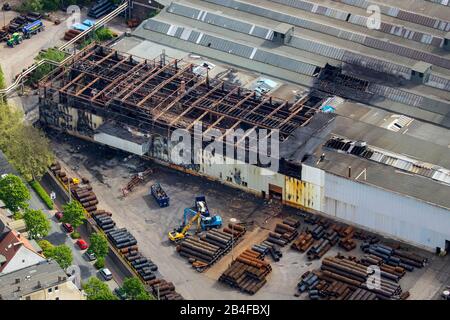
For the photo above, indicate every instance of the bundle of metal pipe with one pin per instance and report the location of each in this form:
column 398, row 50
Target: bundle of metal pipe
column 164, row 290
column 362, row 294
column 308, row 281
column 303, row 242
column 267, row 248
column 292, row 222
column 199, row 249
column 104, row 221
column 248, row 272
column 319, row 249
column 121, row 238
column 287, row 232
column 395, row 257
column 356, row 274
column 204, row 250
column 347, row 243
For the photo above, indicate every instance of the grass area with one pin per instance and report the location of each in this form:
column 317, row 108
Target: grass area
column 51, row 54
column 42, row 194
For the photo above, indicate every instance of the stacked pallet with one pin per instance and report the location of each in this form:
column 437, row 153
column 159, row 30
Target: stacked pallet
column 163, row 290
column 247, row 273
column 204, row 250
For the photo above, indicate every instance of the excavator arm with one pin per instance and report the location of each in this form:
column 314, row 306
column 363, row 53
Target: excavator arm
column 177, row 236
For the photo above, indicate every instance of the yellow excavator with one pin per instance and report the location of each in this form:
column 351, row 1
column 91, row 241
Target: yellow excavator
column 190, row 217
column 180, row 234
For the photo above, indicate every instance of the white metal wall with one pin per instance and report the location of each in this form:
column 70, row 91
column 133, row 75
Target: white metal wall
column 388, row 213
column 243, row 175
column 139, row 149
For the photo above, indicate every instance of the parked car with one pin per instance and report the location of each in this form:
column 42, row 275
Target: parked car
column 120, row 293
column 90, row 255
column 68, row 227
column 59, row 215
column 106, row 274
column 82, row 244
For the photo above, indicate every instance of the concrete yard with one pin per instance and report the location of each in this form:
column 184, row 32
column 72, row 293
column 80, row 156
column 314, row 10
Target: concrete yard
column 110, row 170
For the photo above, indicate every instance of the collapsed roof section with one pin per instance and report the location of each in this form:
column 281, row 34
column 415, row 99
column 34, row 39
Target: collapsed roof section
column 164, row 94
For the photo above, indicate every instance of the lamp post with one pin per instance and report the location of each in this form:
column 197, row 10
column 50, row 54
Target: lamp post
column 233, row 221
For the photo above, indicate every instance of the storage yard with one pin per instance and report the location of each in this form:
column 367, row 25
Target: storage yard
column 271, row 278
column 353, row 204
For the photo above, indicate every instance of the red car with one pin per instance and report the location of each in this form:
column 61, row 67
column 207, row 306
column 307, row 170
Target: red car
column 58, row 215
column 67, row 227
column 82, row 244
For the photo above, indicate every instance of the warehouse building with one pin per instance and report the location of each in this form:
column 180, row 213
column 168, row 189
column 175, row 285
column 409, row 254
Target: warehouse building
column 329, row 164
column 403, row 66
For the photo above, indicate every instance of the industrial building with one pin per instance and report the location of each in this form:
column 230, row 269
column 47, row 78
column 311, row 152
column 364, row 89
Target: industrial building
column 378, row 177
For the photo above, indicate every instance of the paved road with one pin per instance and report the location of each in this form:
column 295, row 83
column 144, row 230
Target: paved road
column 58, row 236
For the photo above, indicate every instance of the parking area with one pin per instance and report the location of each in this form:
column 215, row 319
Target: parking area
column 109, row 171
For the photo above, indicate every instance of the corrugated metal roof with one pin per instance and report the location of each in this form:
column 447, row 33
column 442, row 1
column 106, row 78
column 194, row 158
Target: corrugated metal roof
column 361, row 149
column 235, row 48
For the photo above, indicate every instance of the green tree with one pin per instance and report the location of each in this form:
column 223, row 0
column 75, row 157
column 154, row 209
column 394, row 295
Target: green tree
column 51, row 5
column 14, row 193
column 38, row 226
column 2, row 84
column 11, row 120
column 135, row 290
column 96, row 289
column 50, row 54
column 103, row 34
column 46, row 247
column 73, row 213
column 63, row 255
column 98, row 245
column 33, row 5
column 29, row 152
column 26, row 147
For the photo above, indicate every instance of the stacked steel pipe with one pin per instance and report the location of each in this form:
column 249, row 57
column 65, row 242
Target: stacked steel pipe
column 356, row 274
column 204, row 250
column 284, row 232
column 395, row 257
column 323, row 245
column 120, row 238
column 103, row 219
column 85, row 196
column 267, row 248
column 164, row 290
column 59, row 173
column 71, row 33
column 303, row 242
column 248, row 272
